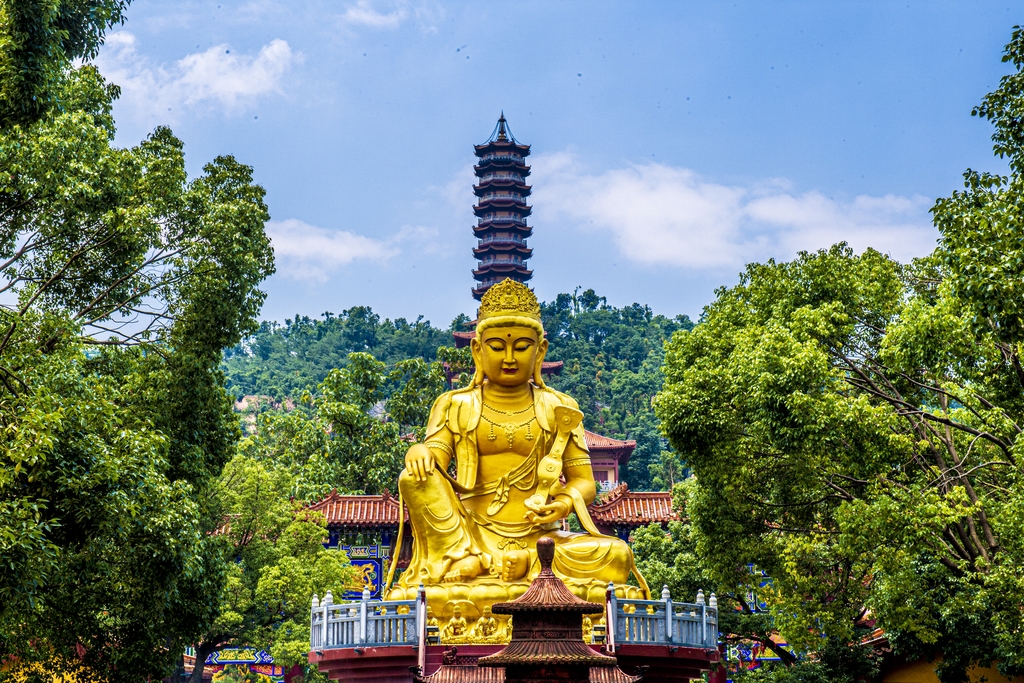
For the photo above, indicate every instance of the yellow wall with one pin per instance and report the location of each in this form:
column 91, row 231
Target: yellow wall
column 924, row 672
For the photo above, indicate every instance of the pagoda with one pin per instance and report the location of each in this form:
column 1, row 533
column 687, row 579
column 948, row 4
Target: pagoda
column 501, row 210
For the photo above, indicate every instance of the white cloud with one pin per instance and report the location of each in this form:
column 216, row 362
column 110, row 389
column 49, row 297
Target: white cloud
column 363, row 14
column 217, row 78
column 661, row 214
column 309, row 252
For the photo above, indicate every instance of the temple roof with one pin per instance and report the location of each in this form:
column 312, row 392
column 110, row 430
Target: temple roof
column 471, row 673
column 359, row 511
column 622, row 507
column 609, row 447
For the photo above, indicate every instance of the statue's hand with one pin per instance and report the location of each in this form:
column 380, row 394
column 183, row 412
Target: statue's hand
column 552, row 512
column 419, row 461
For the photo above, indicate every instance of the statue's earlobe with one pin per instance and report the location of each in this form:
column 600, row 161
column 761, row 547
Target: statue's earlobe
column 478, row 372
column 538, row 378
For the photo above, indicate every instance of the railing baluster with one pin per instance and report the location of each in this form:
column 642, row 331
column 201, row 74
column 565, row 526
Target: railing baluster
column 362, row 615
column 703, row 617
column 667, row 597
column 421, row 628
column 611, row 619
column 713, row 605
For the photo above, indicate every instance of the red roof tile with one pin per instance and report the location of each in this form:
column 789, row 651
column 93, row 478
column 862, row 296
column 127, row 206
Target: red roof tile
column 551, row 367
column 609, row 447
column 596, row 442
column 359, row 511
column 622, row 507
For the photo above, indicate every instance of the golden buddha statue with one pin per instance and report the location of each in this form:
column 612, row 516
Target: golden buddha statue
column 588, row 629
column 486, row 627
column 456, row 628
column 521, row 466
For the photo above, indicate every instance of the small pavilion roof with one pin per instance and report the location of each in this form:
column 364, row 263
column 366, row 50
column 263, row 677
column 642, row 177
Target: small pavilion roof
column 609, row 447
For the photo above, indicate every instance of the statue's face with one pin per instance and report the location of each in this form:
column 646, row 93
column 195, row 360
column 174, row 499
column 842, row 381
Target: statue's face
column 508, row 355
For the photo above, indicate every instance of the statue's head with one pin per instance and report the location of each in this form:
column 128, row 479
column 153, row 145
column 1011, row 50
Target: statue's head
column 457, row 612
column 487, row 610
column 509, row 346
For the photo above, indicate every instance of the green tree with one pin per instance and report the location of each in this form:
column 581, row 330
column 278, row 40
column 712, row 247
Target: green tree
column 284, row 360
column 39, row 39
column 122, row 281
column 670, row 557
column 275, row 561
column 352, row 437
column 834, row 662
column 853, row 424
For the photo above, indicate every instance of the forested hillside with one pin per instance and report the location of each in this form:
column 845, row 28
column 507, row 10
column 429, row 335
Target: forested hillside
column 612, row 360
column 284, row 360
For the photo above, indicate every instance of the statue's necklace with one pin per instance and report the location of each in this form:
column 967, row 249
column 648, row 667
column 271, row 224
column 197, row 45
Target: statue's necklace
column 508, row 412
column 510, row 429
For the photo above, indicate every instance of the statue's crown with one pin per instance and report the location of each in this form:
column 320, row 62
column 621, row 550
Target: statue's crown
column 509, row 297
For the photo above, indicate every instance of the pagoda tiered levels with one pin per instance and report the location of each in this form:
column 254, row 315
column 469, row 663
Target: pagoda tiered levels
column 501, row 210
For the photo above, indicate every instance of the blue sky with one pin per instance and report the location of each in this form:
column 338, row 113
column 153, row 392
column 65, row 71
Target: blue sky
column 673, row 142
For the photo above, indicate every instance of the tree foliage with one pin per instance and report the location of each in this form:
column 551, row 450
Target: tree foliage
column 351, row 435
column 275, row 562
column 284, row 360
column 39, row 39
column 121, row 281
column 853, row 424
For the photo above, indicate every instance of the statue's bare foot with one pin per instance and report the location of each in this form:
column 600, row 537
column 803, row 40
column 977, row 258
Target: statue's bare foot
column 515, row 564
column 463, row 570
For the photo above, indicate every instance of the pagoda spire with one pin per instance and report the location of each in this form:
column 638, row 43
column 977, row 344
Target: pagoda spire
column 501, row 210
column 501, row 127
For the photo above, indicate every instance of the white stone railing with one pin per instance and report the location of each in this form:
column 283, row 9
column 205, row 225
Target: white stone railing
column 662, row 622
column 376, row 623
column 367, row 623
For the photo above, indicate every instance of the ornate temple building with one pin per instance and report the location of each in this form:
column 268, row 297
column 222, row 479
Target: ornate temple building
column 501, row 210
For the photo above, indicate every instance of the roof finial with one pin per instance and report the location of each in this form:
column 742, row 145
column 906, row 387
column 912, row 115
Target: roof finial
column 501, row 126
column 545, row 553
